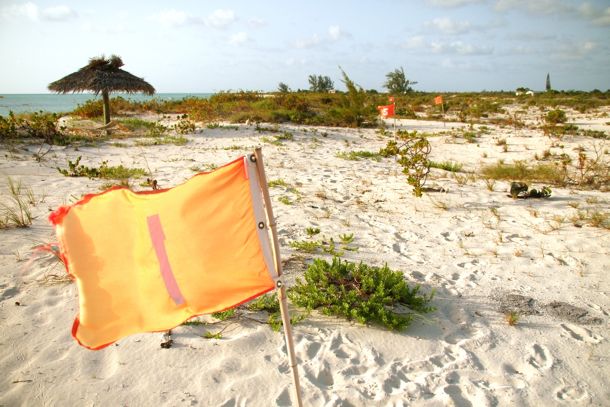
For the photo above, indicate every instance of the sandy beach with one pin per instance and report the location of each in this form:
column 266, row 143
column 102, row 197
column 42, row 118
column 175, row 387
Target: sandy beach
column 485, row 254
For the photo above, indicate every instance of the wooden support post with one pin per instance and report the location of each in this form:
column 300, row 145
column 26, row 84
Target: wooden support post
column 106, row 99
column 258, row 154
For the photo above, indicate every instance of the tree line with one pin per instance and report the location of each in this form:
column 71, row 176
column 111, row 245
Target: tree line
column 396, row 83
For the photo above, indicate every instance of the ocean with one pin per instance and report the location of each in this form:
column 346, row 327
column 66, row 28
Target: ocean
column 50, row 102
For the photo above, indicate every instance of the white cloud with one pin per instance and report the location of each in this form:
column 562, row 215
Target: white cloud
column 220, row 18
column 594, row 14
column 336, row 33
column 256, row 22
column 32, row 12
column 293, row 62
column 459, row 47
column 449, row 26
column 58, row 13
column 452, row 3
column 414, row 42
column 175, row 18
column 239, row 38
column 308, row 42
column 575, row 51
column 172, row 18
column 28, row 10
column 537, row 7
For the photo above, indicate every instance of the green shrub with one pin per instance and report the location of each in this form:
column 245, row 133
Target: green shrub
column 357, row 155
column 552, row 173
column 447, row 166
column 366, row 294
column 224, row 315
column 8, row 126
column 270, row 303
column 413, row 157
column 184, row 126
column 75, row 169
column 556, row 116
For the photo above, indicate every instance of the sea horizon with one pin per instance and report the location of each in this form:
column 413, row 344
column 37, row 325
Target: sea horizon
column 63, row 103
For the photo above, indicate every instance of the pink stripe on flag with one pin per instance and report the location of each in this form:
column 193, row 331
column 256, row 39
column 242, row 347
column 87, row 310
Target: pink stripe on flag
column 158, row 239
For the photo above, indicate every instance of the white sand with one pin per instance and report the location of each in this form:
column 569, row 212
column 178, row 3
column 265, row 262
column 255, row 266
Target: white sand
column 465, row 354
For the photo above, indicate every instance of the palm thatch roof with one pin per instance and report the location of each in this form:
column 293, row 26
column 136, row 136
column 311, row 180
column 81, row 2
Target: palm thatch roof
column 99, row 75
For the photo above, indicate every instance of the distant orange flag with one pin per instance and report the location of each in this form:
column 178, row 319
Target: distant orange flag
column 386, row 111
column 148, row 261
column 438, row 100
column 391, row 99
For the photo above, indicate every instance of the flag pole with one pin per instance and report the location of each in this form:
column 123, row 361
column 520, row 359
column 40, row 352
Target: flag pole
column 258, row 154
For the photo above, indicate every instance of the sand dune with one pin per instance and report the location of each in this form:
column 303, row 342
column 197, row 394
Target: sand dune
column 484, row 253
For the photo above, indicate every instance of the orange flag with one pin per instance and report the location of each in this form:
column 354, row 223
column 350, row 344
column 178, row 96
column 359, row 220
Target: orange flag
column 438, row 100
column 391, row 99
column 148, row 261
column 386, row 111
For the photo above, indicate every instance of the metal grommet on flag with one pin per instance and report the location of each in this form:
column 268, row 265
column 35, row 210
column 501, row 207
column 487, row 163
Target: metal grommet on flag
column 261, row 225
column 279, row 283
column 252, row 158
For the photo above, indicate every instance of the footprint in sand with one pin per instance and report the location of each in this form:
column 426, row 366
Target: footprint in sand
column 455, row 393
column 541, row 358
column 8, row 293
column 581, row 334
column 343, row 347
column 571, row 393
column 321, row 376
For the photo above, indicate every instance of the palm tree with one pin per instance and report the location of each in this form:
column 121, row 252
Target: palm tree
column 105, row 76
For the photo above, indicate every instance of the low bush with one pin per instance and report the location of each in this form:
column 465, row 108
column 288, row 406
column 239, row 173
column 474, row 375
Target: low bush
column 447, row 166
column 75, row 169
column 357, row 155
column 359, row 292
column 556, row 116
column 552, row 173
column 412, row 156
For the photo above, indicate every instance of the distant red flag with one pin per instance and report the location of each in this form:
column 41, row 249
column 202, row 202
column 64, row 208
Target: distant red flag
column 391, row 99
column 438, row 100
column 386, row 111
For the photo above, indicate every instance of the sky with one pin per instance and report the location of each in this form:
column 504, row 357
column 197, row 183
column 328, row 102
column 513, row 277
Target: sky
column 210, row 46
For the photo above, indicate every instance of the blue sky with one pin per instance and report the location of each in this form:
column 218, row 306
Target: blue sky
column 208, row 46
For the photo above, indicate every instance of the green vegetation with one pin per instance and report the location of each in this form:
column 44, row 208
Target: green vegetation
column 357, row 155
column 38, row 125
column 397, row 83
column 270, row 304
column 75, row 169
column 556, row 116
column 512, row 318
column 277, row 183
column 18, row 211
column 359, row 292
column 324, row 245
column 319, row 83
column 323, row 108
column 585, row 172
column 224, row 315
column 158, row 141
column 413, row 157
column 306, row 246
column 519, row 170
column 312, row 231
column 285, row 200
column 447, row 166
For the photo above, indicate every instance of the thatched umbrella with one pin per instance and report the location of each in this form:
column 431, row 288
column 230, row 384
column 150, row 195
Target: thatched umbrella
column 105, row 76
